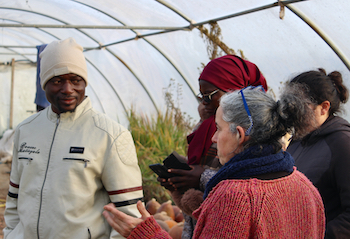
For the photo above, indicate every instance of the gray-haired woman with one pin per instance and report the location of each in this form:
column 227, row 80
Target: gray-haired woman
column 257, row 193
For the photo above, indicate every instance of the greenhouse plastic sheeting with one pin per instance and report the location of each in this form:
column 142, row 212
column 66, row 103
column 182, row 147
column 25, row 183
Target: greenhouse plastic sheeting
column 135, row 49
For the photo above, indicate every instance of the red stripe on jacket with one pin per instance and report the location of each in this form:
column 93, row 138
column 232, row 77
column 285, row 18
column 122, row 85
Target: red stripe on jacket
column 126, row 190
column 14, row 185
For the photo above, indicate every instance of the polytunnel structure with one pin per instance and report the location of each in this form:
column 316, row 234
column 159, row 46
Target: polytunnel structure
column 137, row 50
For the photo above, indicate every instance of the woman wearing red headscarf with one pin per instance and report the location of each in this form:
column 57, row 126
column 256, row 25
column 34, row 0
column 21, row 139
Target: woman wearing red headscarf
column 221, row 75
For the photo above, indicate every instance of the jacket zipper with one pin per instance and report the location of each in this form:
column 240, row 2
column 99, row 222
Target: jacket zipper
column 89, row 233
column 79, row 159
column 47, row 168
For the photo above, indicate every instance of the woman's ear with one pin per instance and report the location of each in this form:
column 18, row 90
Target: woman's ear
column 241, row 135
column 326, row 105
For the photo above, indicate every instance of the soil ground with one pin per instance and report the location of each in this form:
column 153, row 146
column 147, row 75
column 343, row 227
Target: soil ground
column 4, row 186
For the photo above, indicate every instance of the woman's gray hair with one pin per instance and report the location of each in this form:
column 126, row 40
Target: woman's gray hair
column 270, row 119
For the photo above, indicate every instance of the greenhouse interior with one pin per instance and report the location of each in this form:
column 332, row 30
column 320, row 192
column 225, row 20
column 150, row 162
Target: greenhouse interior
column 138, row 51
column 144, row 59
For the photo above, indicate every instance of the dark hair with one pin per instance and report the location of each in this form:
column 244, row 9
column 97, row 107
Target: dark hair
column 271, row 119
column 321, row 87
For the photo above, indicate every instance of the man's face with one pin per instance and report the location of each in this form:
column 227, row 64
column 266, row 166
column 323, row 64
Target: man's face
column 65, row 92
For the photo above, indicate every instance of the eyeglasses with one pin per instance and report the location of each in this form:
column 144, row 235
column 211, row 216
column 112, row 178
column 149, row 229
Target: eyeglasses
column 207, row 97
column 247, row 132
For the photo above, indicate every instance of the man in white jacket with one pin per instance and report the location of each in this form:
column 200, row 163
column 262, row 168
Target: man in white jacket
column 69, row 160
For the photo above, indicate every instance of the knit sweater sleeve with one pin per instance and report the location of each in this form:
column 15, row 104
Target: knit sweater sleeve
column 149, row 229
column 225, row 213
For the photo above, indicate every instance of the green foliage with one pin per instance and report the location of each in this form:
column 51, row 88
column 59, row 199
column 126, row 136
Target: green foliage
column 155, row 138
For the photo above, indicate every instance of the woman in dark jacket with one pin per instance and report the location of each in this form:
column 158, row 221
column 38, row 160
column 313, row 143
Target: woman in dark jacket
column 324, row 154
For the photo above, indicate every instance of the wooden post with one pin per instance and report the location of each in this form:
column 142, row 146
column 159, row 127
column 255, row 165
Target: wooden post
column 12, row 91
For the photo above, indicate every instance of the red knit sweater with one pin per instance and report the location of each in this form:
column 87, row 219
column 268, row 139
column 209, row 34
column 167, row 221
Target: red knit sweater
column 288, row 207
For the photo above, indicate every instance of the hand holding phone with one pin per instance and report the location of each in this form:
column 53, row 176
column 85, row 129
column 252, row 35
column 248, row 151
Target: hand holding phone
column 174, row 160
column 160, row 170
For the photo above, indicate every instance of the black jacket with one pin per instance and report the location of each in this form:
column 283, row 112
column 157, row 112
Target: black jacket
column 324, row 157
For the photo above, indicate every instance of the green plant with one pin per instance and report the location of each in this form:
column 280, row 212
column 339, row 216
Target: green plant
column 156, row 137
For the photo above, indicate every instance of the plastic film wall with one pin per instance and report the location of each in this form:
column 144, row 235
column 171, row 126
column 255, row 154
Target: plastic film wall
column 136, row 48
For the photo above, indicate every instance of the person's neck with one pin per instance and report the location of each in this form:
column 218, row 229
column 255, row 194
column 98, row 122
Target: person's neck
column 321, row 119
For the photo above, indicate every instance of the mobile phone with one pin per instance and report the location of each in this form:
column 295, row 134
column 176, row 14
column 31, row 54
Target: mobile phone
column 174, row 160
column 161, row 170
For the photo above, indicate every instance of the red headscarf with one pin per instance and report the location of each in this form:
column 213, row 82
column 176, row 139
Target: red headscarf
column 228, row 73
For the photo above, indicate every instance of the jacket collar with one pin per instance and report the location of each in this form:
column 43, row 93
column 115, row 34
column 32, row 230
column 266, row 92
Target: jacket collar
column 70, row 116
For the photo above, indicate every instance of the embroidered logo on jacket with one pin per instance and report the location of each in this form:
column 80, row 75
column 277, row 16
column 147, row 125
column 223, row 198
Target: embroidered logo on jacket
column 28, row 149
column 76, row 150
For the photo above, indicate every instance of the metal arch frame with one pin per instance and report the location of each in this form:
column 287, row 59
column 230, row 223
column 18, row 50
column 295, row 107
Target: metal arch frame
column 10, row 20
column 164, row 29
column 257, row 9
column 322, row 34
column 98, row 98
column 95, row 27
column 16, row 52
column 286, row 3
column 117, row 57
column 178, row 12
column 7, row 47
column 44, row 15
column 57, row 38
column 191, row 26
column 190, row 21
column 147, row 41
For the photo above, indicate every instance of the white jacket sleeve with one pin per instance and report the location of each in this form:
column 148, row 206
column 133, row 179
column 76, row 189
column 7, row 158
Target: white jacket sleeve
column 11, row 215
column 122, row 176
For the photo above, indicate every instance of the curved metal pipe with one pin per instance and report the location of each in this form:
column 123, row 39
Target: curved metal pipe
column 94, row 41
column 275, row 4
column 156, row 48
column 322, row 34
column 98, row 99
column 90, row 27
column 177, row 11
